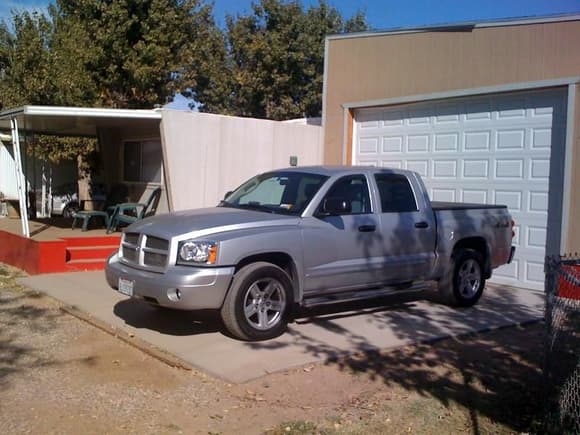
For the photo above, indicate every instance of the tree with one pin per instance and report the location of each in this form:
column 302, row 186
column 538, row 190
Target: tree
column 275, row 60
column 139, row 47
column 26, row 61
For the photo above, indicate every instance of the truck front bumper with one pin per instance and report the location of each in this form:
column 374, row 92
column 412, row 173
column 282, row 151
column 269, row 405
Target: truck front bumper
column 180, row 287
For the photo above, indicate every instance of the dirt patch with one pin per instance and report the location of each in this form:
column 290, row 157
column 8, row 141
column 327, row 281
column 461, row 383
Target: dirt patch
column 61, row 375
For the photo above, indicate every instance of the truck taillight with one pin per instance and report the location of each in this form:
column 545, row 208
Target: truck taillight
column 513, row 231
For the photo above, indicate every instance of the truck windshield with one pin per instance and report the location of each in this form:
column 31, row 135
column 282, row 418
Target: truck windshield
column 276, row 192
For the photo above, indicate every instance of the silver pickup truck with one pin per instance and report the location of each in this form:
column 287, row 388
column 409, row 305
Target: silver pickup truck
column 308, row 236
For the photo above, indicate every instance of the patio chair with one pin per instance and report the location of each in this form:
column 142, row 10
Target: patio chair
column 119, row 193
column 130, row 212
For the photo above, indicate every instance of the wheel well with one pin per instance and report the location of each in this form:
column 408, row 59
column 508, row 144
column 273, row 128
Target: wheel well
column 477, row 244
column 280, row 259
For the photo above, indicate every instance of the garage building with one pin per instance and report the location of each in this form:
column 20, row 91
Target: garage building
column 485, row 112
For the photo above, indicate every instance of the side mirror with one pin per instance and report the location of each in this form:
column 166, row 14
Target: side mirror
column 336, row 206
column 228, row 193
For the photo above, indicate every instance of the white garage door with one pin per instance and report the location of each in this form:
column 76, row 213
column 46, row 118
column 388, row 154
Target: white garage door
column 485, row 149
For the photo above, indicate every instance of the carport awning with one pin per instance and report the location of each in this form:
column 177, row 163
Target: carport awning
column 65, row 121
column 75, row 121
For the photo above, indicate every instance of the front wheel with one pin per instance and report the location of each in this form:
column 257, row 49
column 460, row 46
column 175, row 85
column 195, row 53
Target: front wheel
column 257, row 304
column 465, row 286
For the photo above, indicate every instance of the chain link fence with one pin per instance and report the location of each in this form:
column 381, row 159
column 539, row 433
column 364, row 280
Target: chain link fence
column 562, row 352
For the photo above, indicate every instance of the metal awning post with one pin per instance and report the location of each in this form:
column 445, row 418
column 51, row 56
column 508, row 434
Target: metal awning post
column 20, row 180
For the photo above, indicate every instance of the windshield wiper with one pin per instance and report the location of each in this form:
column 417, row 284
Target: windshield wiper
column 224, row 203
column 252, row 205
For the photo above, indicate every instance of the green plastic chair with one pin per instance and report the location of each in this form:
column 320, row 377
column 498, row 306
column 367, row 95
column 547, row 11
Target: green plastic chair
column 119, row 193
column 130, row 212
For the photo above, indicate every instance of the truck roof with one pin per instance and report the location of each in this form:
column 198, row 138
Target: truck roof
column 330, row 170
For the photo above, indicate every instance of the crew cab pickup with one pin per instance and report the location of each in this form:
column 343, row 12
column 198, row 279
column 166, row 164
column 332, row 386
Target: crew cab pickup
column 307, row 236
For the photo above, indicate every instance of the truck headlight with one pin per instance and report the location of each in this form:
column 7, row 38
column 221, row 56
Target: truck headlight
column 192, row 252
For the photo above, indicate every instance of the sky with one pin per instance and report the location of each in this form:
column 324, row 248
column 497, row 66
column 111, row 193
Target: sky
column 385, row 14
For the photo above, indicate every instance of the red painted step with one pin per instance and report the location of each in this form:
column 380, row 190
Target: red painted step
column 83, row 265
column 89, row 252
column 92, row 241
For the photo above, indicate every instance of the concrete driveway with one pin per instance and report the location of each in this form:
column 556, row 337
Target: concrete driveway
column 316, row 335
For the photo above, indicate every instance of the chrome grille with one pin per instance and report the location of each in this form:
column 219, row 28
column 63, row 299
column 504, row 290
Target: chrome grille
column 131, row 254
column 132, row 238
column 157, row 243
column 145, row 252
column 154, row 259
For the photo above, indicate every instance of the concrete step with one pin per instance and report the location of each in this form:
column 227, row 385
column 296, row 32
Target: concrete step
column 90, row 252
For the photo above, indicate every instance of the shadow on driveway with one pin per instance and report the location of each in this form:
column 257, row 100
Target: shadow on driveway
column 142, row 315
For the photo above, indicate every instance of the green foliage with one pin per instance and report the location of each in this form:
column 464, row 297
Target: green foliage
column 275, row 60
column 56, row 149
column 26, row 61
column 138, row 47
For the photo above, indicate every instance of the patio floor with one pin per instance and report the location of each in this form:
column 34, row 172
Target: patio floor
column 50, row 229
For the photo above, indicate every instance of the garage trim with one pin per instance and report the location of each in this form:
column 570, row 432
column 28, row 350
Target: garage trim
column 512, row 87
column 568, row 147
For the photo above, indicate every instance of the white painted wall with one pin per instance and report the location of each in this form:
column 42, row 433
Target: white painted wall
column 8, row 171
column 207, row 155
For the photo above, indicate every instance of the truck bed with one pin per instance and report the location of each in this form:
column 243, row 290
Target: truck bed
column 444, row 205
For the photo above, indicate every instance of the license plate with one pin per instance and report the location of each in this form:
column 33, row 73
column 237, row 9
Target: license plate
column 126, row 286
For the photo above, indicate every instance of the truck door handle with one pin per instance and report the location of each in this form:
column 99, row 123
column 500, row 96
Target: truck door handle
column 421, row 225
column 367, row 228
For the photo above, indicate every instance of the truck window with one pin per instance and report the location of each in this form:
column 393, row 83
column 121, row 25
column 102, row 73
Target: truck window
column 353, row 188
column 396, row 193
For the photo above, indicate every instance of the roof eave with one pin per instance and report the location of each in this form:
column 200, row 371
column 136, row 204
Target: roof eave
column 519, row 21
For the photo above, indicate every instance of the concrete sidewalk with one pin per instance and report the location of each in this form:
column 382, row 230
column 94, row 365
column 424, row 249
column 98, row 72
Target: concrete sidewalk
column 316, row 335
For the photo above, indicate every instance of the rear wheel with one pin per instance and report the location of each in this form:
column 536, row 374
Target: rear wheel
column 257, row 304
column 465, row 285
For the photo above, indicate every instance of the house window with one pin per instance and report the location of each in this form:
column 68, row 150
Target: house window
column 142, row 161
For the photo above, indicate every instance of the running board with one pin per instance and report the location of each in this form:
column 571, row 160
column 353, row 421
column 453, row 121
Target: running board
column 360, row 295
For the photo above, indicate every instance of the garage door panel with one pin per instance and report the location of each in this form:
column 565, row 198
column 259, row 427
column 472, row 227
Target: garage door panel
column 486, row 149
column 419, row 166
column 475, row 169
column 541, row 138
column 417, row 143
column 392, row 144
column 444, row 169
column 509, row 272
column 446, row 142
column 473, row 196
column 477, row 140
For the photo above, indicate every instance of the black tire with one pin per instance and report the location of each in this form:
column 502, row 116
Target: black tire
column 464, row 287
column 258, row 302
column 69, row 210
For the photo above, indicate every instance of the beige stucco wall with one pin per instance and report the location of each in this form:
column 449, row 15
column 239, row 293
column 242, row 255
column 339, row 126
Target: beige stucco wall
column 207, row 155
column 400, row 65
